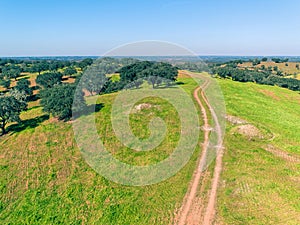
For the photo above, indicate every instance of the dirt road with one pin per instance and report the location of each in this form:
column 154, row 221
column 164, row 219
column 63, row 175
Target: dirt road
column 191, row 211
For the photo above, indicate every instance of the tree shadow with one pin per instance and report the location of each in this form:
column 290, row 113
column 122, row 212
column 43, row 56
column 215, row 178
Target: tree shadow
column 24, row 124
column 33, row 98
column 90, row 109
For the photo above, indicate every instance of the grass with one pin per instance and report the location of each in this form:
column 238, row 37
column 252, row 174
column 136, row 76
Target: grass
column 45, row 180
column 258, row 187
column 289, row 69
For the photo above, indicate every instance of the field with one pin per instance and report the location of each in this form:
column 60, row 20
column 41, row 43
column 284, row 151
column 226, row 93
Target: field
column 258, row 186
column 45, row 179
column 290, row 68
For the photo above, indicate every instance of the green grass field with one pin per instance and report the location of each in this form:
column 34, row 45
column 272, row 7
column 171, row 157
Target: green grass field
column 44, row 178
column 258, row 187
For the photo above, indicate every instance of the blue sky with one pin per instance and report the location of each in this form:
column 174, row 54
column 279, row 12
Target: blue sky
column 92, row 27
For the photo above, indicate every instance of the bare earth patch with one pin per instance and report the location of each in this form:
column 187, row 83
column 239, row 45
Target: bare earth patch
column 235, row 120
column 142, row 106
column 249, row 131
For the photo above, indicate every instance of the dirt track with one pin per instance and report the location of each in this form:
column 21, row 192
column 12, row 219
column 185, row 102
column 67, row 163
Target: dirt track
column 191, row 211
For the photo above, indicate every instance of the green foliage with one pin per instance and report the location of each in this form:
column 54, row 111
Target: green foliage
column 69, row 71
column 58, row 101
column 38, row 67
column 279, row 60
column 263, row 77
column 10, row 109
column 48, row 80
column 23, row 85
column 256, row 62
column 93, row 80
column 265, row 59
column 133, row 73
column 155, row 73
column 5, row 83
column 11, row 72
column 85, row 63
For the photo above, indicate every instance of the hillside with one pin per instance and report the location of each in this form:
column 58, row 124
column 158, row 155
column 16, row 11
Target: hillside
column 260, row 179
column 45, row 180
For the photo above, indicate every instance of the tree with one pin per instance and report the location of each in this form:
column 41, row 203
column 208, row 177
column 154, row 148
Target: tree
column 70, row 71
column 59, row 101
column 155, row 73
column 5, row 83
column 133, row 73
column 256, row 62
column 160, row 73
column 276, row 60
column 24, row 86
column 39, row 67
column 297, row 66
column 275, row 68
column 10, row 109
column 263, row 67
column 48, row 80
column 85, row 63
column 93, row 80
column 11, row 72
column 265, row 59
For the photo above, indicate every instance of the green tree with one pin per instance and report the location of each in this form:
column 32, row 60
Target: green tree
column 10, row 109
column 133, row 73
column 265, row 59
column 59, row 101
column 48, row 80
column 85, row 63
column 39, row 67
column 69, row 71
column 11, row 72
column 5, row 83
column 93, row 80
column 23, row 85
column 297, row 66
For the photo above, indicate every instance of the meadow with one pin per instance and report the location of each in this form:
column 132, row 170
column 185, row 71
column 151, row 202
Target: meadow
column 46, row 180
column 258, row 186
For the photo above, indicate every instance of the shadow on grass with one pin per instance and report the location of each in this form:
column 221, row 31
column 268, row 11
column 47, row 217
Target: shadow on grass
column 30, row 123
column 90, row 109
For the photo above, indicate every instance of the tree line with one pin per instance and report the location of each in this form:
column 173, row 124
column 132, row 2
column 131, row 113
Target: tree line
column 261, row 77
column 57, row 97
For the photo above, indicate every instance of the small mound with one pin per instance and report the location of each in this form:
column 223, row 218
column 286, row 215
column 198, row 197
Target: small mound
column 142, row 106
column 249, row 131
column 235, row 120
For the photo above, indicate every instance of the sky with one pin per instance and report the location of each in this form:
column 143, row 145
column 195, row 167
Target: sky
column 93, row 27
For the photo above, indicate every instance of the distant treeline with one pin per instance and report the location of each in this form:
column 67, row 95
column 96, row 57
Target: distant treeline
column 260, row 77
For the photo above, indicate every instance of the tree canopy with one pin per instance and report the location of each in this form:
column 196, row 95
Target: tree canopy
column 48, row 80
column 58, row 101
column 10, row 109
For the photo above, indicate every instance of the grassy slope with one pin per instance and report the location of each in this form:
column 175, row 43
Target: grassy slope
column 258, row 187
column 289, row 69
column 45, row 180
